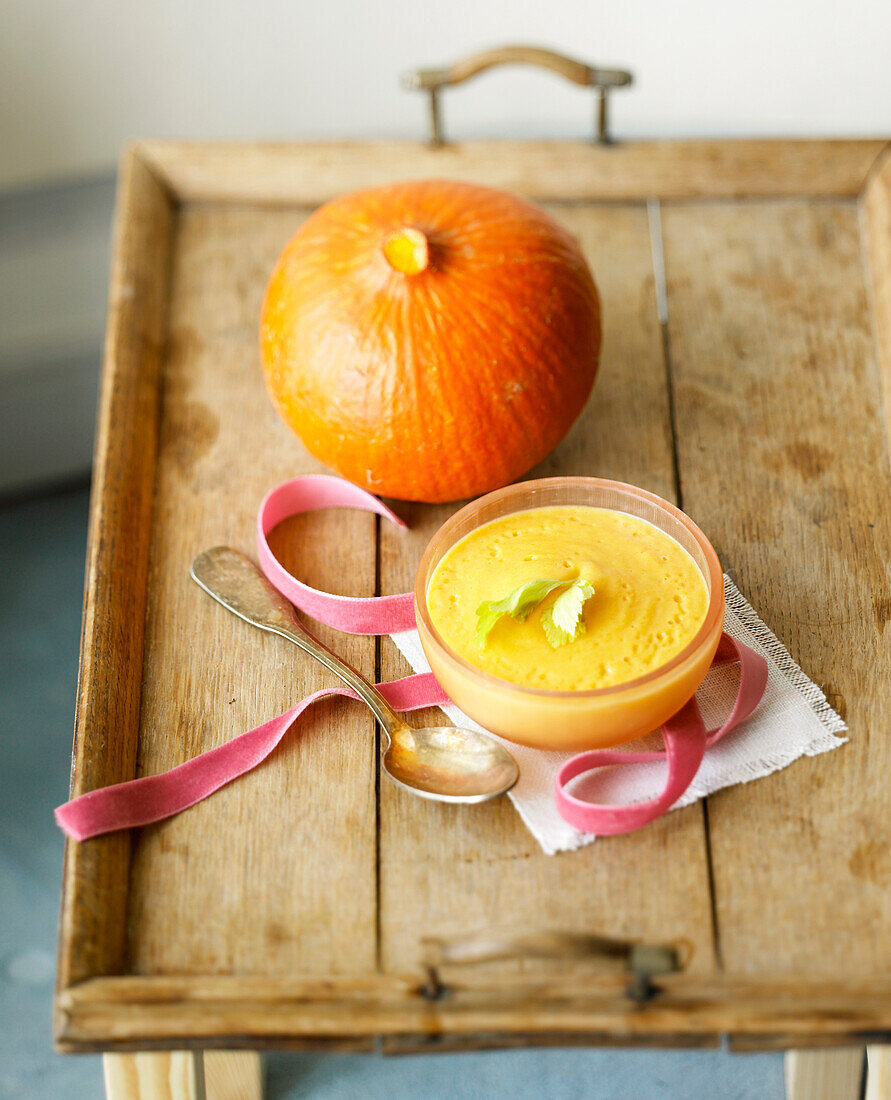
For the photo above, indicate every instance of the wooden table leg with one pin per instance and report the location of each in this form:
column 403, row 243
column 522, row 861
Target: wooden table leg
column 878, row 1073
column 184, row 1075
column 833, row 1074
column 233, row 1075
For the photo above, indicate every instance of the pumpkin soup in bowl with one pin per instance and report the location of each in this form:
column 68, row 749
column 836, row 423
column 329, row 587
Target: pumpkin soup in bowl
column 570, row 613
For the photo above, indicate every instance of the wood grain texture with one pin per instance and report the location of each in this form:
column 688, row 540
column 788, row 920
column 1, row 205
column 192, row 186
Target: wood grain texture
column 94, row 893
column 778, row 1041
column 449, row 871
column 784, row 463
column 249, row 1012
column 315, row 172
column 274, row 874
column 184, row 1075
column 824, row 1074
column 177, row 1075
column 463, row 1044
column 876, row 225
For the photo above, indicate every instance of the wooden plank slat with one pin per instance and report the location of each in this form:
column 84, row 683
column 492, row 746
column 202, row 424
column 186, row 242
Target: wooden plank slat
column 754, row 1043
column 445, row 870
column 315, row 172
column 877, row 243
column 783, row 461
column 271, row 875
column 94, row 893
column 462, row 1044
column 108, row 1013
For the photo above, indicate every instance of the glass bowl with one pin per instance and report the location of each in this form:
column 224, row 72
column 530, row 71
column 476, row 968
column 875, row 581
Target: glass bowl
column 571, row 721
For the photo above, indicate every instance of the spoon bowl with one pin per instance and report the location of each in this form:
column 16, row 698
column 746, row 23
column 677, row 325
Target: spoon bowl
column 449, row 764
column 440, row 762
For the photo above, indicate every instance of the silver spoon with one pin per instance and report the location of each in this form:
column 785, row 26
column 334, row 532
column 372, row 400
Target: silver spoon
column 440, row 762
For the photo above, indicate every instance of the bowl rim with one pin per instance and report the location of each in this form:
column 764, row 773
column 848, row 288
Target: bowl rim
column 699, row 641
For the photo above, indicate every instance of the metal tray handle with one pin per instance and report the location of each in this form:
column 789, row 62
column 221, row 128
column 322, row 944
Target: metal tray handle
column 642, row 961
column 433, row 81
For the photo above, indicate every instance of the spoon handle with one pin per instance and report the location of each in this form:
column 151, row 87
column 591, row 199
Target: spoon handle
column 234, row 581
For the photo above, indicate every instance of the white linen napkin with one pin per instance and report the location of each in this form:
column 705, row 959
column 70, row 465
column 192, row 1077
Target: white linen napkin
column 792, row 720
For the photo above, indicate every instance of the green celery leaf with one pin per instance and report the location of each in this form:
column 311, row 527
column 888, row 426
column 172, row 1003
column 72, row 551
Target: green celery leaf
column 562, row 621
column 518, row 604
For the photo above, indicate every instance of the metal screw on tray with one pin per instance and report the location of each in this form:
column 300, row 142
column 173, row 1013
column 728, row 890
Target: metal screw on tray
column 440, row 762
column 602, row 81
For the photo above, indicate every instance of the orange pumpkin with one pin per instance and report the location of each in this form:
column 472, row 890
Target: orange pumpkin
column 430, row 340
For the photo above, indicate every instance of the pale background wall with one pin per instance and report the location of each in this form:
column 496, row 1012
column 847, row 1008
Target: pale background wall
column 78, row 78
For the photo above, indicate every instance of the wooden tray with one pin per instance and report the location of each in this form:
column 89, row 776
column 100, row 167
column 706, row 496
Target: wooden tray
column 749, row 378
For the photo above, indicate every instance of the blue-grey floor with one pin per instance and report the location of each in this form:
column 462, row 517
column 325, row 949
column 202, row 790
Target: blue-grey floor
column 41, row 570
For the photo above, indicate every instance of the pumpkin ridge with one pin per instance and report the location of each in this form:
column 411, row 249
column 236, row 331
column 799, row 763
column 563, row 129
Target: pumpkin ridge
column 433, row 396
column 476, row 436
column 533, row 320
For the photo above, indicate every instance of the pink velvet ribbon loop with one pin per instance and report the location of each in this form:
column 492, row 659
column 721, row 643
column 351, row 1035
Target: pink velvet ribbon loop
column 351, row 614
column 152, row 798
column 686, row 740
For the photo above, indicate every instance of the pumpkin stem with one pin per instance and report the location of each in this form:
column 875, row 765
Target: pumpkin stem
column 407, row 251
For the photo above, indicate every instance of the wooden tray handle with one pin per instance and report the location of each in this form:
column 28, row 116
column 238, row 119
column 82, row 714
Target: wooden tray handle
column 433, row 81
column 642, row 961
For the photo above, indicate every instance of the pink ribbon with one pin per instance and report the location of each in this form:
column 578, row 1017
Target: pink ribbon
column 351, row 614
column 686, row 740
column 155, row 797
